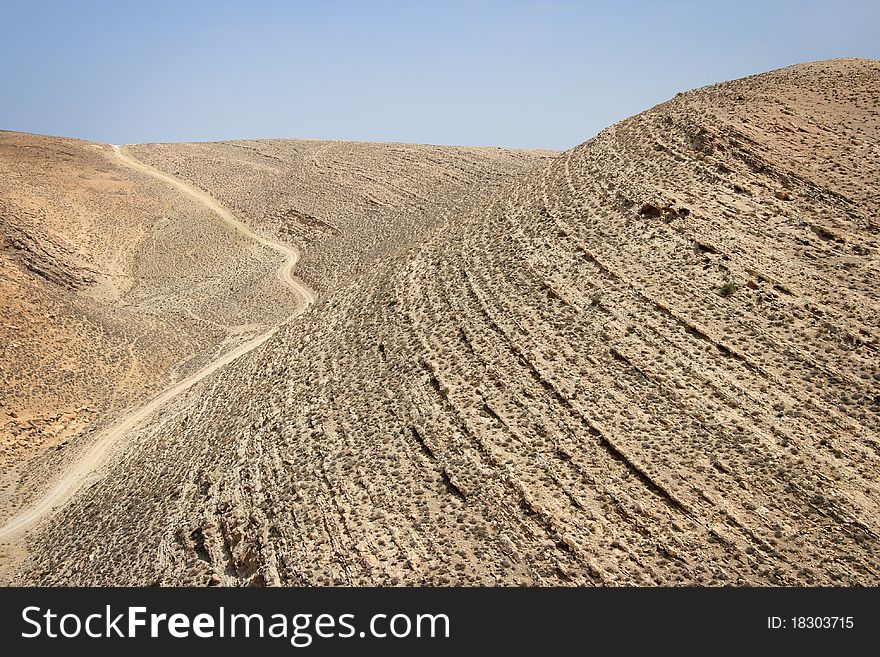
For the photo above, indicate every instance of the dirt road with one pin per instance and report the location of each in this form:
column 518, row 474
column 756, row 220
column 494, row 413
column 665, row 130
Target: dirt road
column 86, row 468
column 285, row 273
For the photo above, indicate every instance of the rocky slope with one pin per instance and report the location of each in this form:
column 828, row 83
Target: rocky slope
column 349, row 205
column 111, row 286
column 118, row 285
column 652, row 360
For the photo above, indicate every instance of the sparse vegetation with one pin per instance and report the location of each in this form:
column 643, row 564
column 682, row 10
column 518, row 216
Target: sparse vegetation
column 728, row 289
column 580, row 448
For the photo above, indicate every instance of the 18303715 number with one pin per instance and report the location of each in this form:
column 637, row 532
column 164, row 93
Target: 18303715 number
column 821, row 622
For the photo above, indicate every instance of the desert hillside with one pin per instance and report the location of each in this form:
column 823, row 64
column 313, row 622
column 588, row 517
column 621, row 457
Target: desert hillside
column 349, row 205
column 112, row 285
column 124, row 285
column 652, row 359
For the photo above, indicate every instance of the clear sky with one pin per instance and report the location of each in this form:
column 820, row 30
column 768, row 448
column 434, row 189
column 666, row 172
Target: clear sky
column 524, row 74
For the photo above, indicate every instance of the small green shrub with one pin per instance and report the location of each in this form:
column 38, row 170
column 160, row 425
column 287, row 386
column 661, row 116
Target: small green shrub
column 728, row 289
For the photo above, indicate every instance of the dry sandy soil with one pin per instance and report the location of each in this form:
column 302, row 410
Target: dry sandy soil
column 652, row 359
column 351, row 206
column 113, row 286
column 127, row 285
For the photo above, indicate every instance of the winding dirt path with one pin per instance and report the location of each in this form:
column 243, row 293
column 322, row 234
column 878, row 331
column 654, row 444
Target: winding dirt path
column 87, row 466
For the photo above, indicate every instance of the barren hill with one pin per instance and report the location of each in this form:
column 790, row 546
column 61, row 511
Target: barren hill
column 123, row 285
column 112, row 285
column 650, row 360
column 348, row 204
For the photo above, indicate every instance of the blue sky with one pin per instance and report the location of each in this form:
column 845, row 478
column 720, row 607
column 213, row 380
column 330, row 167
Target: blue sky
column 521, row 74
